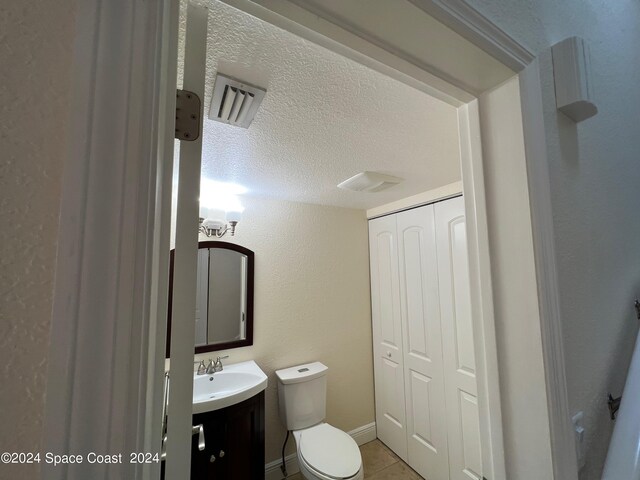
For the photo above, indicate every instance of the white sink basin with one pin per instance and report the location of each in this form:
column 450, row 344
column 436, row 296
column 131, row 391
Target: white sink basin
column 234, row 384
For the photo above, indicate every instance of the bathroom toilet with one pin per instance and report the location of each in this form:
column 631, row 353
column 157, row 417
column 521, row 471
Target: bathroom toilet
column 324, row 452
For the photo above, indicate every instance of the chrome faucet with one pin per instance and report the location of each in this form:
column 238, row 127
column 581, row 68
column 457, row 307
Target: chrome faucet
column 201, row 368
column 217, row 367
column 211, row 368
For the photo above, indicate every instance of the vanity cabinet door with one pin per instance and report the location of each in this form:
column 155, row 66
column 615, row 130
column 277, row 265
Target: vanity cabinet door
column 206, row 464
column 244, row 440
column 234, row 443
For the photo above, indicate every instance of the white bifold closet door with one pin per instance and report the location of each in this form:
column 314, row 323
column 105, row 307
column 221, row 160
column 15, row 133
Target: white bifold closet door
column 426, row 398
column 461, row 391
column 387, row 335
column 422, row 342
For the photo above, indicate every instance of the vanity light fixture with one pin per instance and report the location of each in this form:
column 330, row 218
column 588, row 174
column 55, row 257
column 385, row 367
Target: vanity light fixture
column 220, row 207
column 218, row 228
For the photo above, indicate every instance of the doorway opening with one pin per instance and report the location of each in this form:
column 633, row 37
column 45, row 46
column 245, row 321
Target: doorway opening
column 494, row 175
column 324, row 119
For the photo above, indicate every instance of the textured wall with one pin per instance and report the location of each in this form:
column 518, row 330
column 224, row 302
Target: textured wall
column 35, row 59
column 311, row 303
column 595, row 183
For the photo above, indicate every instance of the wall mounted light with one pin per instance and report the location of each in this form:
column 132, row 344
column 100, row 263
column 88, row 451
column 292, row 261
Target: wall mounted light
column 220, row 208
column 212, row 227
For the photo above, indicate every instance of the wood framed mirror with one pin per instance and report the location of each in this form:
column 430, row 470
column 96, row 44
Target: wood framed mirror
column 224, row 297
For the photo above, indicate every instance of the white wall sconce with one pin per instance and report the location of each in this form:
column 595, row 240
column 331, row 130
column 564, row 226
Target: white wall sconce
column 220, row 208
column 218, row 228
column 572, row 75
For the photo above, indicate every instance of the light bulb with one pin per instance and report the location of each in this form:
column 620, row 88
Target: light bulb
column 234, row 216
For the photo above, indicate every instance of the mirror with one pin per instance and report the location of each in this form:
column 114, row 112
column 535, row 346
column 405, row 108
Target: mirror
column 224, row 297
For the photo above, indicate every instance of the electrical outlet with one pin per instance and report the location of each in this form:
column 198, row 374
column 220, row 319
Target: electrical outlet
column 578, row 428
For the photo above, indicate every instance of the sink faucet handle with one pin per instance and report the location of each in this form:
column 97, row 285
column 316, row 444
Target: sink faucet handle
column 218, row 365
column 201, row 368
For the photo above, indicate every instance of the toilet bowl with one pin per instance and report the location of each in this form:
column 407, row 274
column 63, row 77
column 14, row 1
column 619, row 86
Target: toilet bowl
column 324, row 452
column 327, row 453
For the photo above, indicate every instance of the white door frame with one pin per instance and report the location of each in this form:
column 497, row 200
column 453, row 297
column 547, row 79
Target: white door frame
column 114, row 202
column 481, row 285
column 108, row 327
column 565, row 465
column 185, row 262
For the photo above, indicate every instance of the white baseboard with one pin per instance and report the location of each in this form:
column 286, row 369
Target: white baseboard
column 364, row 434
column 361, row 435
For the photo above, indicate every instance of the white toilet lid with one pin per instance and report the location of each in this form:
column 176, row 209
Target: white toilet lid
column 330, row 451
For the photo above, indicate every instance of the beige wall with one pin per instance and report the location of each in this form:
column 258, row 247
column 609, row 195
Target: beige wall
column 35, row 60
column 311, row 303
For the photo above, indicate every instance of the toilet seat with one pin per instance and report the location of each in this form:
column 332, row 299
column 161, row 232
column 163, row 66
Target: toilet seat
column 329, row 452
column 309, row 473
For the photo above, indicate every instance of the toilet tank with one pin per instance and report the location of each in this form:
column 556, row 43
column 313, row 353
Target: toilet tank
column 302, row 395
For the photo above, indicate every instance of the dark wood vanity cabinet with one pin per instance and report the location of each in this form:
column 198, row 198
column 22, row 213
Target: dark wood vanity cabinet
column 234, row 442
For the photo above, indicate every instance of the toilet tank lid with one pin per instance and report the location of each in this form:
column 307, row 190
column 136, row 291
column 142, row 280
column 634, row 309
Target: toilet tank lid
column 301, row 373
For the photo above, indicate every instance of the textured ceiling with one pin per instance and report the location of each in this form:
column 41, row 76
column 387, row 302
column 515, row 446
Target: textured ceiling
column 324, row 119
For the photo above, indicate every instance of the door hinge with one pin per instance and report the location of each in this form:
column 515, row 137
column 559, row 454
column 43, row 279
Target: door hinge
column 187, row 116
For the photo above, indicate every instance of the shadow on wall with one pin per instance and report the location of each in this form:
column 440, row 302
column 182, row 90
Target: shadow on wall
column 613, row 373
column 569, row 144
column 617, row 366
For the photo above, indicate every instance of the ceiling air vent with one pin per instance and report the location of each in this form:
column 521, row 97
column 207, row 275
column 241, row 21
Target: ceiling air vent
column 234, row 102
column 370, row 182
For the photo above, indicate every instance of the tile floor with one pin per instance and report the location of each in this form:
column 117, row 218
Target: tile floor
column 380, row 463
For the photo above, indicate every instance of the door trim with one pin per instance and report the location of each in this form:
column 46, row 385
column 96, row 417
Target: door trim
column 485, row 342
column 104, row 390
column 185, row 255
column 464, row 19
column 565, row 463
column 351, row 43
column 421, row 199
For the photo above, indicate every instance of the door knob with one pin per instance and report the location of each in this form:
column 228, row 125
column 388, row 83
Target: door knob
column 212, row 459
column 221, row 454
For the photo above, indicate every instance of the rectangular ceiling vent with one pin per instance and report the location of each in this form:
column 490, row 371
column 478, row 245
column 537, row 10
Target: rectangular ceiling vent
column 234, row 102
column 370, row 182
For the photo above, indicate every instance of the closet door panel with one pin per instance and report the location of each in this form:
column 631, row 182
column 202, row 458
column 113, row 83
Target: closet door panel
column 387, row 335
column 392, row 396
column 471, row 463
column 422, row 342
column 457, row 338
